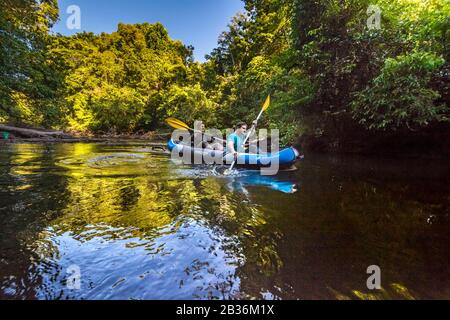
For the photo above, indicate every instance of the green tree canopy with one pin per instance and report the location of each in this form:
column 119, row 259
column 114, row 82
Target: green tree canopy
column 26, row 75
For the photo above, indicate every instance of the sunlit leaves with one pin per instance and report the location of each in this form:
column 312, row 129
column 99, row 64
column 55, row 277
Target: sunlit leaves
column 187, row 102
column 24, row 68
column 128, row 80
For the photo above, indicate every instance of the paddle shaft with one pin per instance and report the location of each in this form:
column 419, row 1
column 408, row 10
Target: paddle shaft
column 198, row 131
column 178, row 124
column 246, row 138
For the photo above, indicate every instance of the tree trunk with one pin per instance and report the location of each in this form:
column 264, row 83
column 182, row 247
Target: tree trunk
column 32, row 133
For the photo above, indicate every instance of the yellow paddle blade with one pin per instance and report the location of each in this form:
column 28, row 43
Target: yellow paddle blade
column 181, row 123
column 177, row 124
column 266, row 103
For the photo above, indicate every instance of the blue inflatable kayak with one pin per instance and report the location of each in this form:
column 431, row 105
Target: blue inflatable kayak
column 285, row 158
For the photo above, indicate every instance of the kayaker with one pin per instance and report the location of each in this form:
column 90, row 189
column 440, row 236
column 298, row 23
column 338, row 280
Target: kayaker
column 235, row 141
column 205, row 141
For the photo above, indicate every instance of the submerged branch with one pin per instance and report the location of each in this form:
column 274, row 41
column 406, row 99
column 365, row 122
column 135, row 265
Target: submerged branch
column 32, row 133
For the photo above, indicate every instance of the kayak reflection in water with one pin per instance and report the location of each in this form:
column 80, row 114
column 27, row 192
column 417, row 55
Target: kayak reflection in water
column 238, row 184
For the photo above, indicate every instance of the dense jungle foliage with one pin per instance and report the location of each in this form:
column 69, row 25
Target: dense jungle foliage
column 337, row 82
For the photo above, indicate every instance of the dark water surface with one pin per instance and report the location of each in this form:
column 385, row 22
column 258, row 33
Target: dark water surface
column 139, row 226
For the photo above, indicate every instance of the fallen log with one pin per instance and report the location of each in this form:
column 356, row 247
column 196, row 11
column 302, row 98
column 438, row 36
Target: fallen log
column 32, row 133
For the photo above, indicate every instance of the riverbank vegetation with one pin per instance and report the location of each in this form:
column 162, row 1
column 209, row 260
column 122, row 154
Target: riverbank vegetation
column 339, row 81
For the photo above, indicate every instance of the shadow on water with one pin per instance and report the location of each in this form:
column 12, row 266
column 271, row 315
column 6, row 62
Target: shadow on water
column 139, row 226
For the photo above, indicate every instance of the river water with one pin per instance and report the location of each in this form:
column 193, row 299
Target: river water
column 99, row 221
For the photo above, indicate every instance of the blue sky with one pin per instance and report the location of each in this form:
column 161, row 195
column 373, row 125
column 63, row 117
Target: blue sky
column 195, row 22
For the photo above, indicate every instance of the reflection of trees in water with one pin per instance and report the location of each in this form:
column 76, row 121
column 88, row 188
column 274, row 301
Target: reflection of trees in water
column 314, row 244
column 30, row 199
column 328, row 244
column 240, row 217
column 116, row 202
column 389, row 227
column 65, row 197
column 137, row 207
